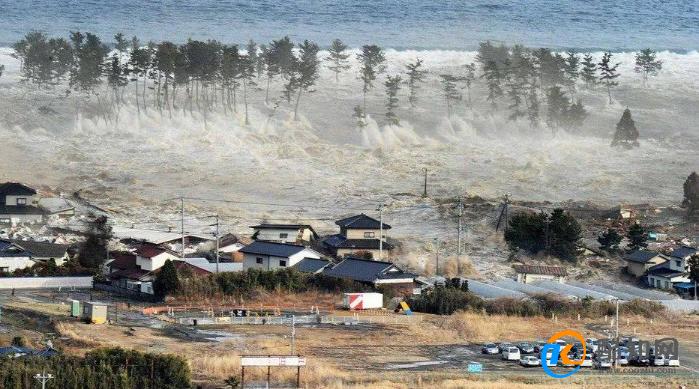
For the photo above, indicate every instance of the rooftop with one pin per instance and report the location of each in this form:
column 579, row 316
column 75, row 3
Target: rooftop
column 42, row 249
column 367, row 270
column 283, row 250
column 311, row 265
column 661, row 271
column 683, row 252
column 361, row 221
column 542, row 270
column 642, row 256
column 16, row 189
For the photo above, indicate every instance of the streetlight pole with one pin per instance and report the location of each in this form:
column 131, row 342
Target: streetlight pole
column 616, row 340
column 436, row 251
column 458, row 249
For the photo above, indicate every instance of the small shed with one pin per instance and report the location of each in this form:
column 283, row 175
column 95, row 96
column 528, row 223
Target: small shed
column 529, row 273
column 94, row 312
column 74, row 308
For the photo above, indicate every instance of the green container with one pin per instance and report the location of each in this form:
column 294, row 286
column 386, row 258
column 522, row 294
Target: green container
column 75, row 308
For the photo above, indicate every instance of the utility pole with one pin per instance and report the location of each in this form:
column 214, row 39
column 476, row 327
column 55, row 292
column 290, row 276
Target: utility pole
column 616, row 346
column 460, row 213
column 507, row 210
column 217, row 243
column 182, row 225
column 380, row 231
column 436, row 245
column 293, row 335
column 424, row 193
column 43, row 378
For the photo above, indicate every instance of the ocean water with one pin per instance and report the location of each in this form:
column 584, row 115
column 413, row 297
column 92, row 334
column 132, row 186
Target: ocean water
column 408, row 24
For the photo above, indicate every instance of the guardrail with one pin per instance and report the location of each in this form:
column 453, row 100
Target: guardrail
column 45, row 282
column 301, row 319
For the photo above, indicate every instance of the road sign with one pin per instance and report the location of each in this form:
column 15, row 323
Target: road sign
column 272, row 360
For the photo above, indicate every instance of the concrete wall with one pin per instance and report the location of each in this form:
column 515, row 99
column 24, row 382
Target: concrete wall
column 45, row 282
column 10, row 264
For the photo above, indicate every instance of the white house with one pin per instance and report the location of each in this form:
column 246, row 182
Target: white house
column 271, row 255
column 44, row 251
column 674, row 270
column 13, row 257
column 284, row 233
column 18, row 204
column 151, row 258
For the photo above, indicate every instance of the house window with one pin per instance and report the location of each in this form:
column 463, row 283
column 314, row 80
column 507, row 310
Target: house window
column 21, row 201
column 259, row 260
column 282, row 263
column 667, row 285
column 283, row 235
column 678, row 263
column 368, row 235
column 657, row 283
column 4, row 269
column 5, row 221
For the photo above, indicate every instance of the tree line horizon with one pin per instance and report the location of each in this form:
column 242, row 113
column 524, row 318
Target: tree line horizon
column 536, row 85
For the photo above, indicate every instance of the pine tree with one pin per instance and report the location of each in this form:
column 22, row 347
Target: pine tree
column 338, row 58
column 533, row 106
column 557, row 104
column 575, row 115
column 691, row 193
column 609, row 240
column 372, row 63
column 637, row 236
column 451, row 94
column 2, row 69
column 93, row 251
column 626, row 134
column 469, row 78
column 415, row 75
column 166, row 281
column 305, row 72
column 493, row 78
column 647, row 64
column 589, row 70
column 572, row 72
column 392, row 85
column 608, row 73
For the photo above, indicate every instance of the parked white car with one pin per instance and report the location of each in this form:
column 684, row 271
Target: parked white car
column 529, row 361
column 591, row 344
column 510, row 354
column 672, row 361
column 603, row 363
column 659, row 360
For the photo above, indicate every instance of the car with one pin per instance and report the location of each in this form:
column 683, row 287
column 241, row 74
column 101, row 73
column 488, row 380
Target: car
column 623, row 360
column 529, row 361
column 592, row 344
column 526, row 348
column 511, row 354
column 538, row 346
column 639, row 360
column 504, row 346
column 657, row 360
column 671, row 360
column 490, row 348
column 602, row 363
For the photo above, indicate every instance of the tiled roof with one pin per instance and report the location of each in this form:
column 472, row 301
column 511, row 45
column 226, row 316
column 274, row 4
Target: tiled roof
column 283, row 250
column 311, row 265
column 366, row 270
column 123, row 261
column 540, row 269
column 15, row 188
column 660, row 271
column 361, row 221
column 641, row 256
column 683, row 252
column 42, row 249
column 149, row 251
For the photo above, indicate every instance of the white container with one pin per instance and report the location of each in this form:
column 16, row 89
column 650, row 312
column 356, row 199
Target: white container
column 359, row 301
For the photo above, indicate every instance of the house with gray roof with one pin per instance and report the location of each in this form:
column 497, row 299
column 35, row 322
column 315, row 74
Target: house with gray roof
column 639, row 261
column 312, row 265
column 370, row 272
column 272, row 255
column 359, row 234
column 18, row 204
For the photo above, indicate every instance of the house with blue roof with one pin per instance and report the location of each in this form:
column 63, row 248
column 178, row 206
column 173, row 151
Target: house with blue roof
column 371, row 272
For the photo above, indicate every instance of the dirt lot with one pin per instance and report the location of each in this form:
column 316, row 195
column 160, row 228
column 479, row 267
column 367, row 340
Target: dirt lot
column 425, row 351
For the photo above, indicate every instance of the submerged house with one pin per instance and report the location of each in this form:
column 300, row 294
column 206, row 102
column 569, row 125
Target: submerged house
column 21, row 254
column 285, row 233
column 531, row 273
